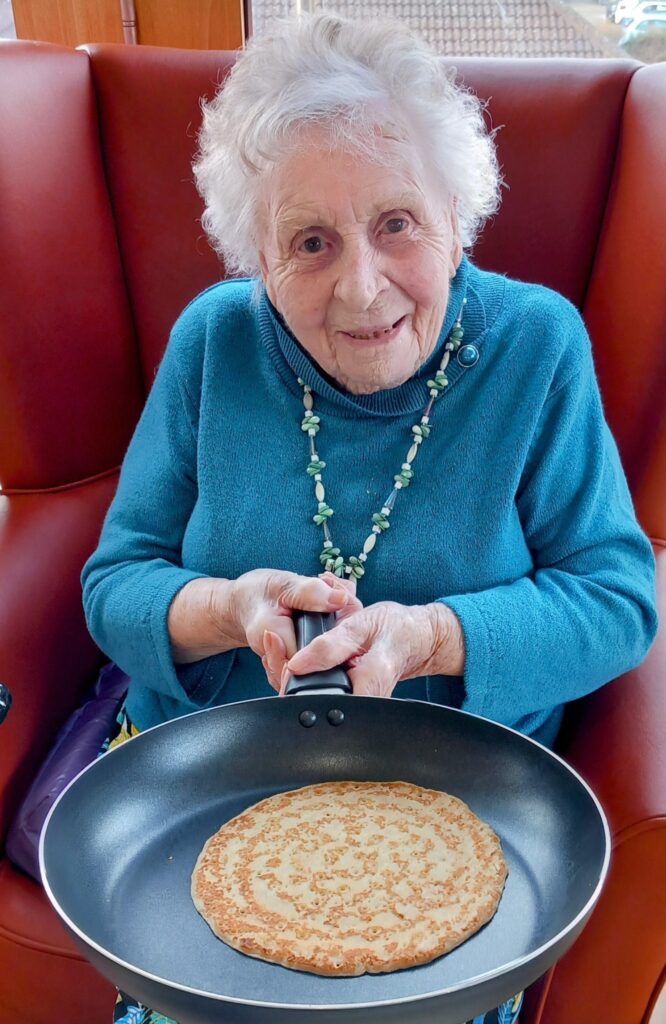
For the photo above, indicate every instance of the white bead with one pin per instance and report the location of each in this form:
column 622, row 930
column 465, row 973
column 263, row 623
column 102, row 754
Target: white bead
column 376, row 529
column 386, row 511
column 363, row 557
column 348, row 569
column 370, row 541
column 328, row 543
column 418, row 439
column 312, row 433
column 317, row 477
column 307, row 400
column 411, row 454
column 397, row 485
column 319, row 491
column 406, row 465
column 433, row 392
column 425, row 419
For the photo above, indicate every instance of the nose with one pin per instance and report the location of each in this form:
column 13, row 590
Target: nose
column 360, row 278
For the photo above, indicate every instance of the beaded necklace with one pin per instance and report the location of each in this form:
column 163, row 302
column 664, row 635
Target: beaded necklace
column 330, row 557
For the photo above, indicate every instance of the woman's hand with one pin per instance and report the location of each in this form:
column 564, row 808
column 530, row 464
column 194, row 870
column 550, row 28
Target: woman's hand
column 261, row 602
column 385, row 643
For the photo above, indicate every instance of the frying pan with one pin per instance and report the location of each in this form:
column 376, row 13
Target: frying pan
column 120, row 844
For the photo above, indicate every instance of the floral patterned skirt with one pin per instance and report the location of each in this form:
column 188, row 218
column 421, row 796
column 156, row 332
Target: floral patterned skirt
column 129, row 1011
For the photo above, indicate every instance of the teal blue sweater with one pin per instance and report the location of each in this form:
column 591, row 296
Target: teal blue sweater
column 518, row 517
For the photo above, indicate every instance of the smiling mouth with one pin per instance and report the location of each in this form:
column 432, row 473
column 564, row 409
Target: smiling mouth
column 376, row 335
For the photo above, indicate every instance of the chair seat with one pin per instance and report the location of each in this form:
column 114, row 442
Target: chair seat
column 39, row 957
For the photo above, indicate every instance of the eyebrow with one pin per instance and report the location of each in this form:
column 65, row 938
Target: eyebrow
column 295, row 222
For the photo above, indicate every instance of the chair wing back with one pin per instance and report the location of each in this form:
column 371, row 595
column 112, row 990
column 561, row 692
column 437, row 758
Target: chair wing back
column 102, row 245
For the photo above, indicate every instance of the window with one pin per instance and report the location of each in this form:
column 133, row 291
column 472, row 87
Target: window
column 7, row 29
column 497, row 28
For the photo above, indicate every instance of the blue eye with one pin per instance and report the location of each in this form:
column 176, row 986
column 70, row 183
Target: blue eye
column 313, row 245
column 395, row 225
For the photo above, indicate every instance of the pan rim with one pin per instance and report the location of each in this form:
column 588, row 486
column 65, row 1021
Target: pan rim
column 373, row 1004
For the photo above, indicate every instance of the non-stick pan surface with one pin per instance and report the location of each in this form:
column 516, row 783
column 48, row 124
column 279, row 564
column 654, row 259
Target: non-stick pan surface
column 119, row 848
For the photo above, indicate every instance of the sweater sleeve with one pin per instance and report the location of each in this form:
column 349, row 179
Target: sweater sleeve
column 131, row 579
column 586, row 612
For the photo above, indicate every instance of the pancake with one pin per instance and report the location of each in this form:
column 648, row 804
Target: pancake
column 344, row 878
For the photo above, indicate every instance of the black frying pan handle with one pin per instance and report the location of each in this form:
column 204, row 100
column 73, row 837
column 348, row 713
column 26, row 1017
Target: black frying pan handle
column 5, row 702
column 309, row 625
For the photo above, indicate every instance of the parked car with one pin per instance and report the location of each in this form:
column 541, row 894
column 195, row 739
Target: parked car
column 642, row 26
column 643, row 10
column 624, row 9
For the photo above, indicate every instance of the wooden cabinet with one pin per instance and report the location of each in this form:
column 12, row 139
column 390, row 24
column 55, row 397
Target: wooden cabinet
column 192, row 24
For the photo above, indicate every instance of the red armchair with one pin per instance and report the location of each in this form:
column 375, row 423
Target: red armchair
column 100, row 248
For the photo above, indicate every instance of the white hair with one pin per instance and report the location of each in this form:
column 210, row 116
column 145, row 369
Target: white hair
column 350, row 77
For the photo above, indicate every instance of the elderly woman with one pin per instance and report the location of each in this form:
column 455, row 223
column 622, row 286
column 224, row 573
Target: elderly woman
column 367, row 411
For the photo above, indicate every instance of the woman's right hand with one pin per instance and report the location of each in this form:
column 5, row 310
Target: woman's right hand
column 260, row 604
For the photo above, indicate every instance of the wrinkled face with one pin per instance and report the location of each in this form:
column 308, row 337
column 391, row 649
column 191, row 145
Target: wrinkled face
column 357, row 258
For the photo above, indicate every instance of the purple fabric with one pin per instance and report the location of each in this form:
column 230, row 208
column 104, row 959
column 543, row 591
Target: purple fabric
column 77, row 744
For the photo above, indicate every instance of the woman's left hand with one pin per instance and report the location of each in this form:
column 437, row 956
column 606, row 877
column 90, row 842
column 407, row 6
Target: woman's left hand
column 385, row 643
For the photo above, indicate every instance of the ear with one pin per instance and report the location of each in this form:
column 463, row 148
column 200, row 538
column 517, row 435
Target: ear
column 266, row 277
column 456, row 241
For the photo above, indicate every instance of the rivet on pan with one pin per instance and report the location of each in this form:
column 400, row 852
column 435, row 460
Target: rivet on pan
column 307, row 718
column 335, row 716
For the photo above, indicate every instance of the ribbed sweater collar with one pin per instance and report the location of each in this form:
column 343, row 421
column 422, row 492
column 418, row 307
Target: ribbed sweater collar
column 291, row 361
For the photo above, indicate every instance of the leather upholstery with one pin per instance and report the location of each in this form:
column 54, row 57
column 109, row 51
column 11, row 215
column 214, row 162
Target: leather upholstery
column 627, row 323
column 101, row 248
column 68, row 348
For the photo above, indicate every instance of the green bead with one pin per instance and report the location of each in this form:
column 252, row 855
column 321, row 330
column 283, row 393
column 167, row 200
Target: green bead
column 380, row 520
column 325, row 512
column 358, row 571
column 315, row 466
column 340, row 571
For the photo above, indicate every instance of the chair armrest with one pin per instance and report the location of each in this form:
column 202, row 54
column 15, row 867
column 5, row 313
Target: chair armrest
column 47, row 658
column 616, row 739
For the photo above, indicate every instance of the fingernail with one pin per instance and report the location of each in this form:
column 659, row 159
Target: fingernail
column 268, row 640
column 284, row 678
